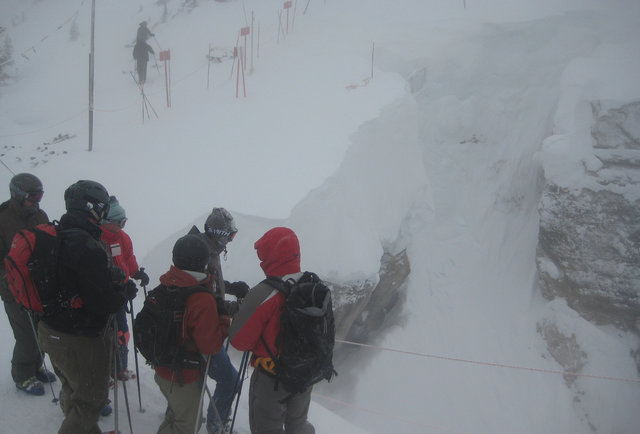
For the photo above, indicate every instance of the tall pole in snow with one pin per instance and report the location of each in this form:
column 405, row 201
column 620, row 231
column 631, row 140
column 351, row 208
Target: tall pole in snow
column 373, row 50
column 91, row 64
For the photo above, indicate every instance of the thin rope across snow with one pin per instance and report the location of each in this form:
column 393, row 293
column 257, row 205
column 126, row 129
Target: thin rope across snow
column 496, row 365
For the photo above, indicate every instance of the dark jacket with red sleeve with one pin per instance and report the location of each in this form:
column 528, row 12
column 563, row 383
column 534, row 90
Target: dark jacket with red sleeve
column 85, row 278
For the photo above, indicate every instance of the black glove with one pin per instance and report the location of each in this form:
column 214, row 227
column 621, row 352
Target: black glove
column 227, row 307
column 220, row 304
column 130, row 290
column 239, row 289
column 231, row 307
column 142, row 277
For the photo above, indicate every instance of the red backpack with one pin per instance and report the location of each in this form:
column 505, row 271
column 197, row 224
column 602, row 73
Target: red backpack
column 31, row 266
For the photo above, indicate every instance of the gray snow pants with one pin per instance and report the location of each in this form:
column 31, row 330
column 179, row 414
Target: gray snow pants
column 182, row 406
column 268, row 416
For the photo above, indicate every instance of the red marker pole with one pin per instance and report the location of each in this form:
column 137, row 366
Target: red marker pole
column 165, row 56
column 244, row 32
column 252, row 19
column 287, row 6
column 240, row 70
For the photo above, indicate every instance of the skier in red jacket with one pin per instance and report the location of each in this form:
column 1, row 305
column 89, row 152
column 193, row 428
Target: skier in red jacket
column 203, row 332
column 258, row 322
column 121, row 250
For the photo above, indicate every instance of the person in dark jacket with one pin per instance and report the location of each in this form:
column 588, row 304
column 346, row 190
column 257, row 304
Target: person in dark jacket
column 219, row 230
column 143, row 32
column 257, row 323
column 141, row 54
column 91, row 291
column 22, row 211
column 203, row 332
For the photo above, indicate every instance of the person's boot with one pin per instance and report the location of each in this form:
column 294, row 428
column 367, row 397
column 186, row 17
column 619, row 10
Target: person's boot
column 106, row 410
column 32, row 386
column 45, row 375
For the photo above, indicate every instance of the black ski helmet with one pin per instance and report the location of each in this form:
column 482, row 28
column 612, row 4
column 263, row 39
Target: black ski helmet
column 191, row 253
column 23, row 184
column 220, row 226
column 88, row 196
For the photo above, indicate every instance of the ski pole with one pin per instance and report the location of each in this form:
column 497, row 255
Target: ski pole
column 114, row 323
column 155, row 61
column 145, row 99
column 305, row 8
column 196, row 426
column 44, row 363
column 8, row 168
column 243, row 369
column 126, row 401
column 157, row 43
column 115, row 377
column 135, row 355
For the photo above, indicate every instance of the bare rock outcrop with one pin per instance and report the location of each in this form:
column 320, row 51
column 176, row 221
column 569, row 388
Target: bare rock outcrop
column 589, row 240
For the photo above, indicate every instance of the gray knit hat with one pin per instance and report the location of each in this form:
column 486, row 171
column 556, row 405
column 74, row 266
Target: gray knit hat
column 116, row 212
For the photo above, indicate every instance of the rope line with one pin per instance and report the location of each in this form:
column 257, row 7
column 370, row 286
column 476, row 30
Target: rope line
column 428, row 428
column 105, row 110
column 45, row 37
column 24, row 133
column 493, row 364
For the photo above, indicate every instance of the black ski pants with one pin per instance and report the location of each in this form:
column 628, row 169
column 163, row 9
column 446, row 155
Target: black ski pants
column 26, row 358
column 141, row 66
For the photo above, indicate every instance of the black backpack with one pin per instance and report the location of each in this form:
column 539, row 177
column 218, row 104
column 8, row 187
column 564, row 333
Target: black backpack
column 157, row 328
column 307, row 333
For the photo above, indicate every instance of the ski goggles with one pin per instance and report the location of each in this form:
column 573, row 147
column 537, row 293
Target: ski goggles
column 35, row 196
column 220, row 235
column 120, row 223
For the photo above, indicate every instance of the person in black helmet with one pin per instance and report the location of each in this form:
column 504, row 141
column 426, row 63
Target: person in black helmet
column 219, row 230
column 143, row 32
column 204, row 332
column 91, row 290
column 22, row 211
column 141, row 51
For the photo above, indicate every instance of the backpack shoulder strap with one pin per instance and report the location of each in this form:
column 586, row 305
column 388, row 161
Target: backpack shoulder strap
column 279, row 284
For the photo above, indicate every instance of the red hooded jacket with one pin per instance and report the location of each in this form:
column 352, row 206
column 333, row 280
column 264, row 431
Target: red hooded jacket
column 259, row 314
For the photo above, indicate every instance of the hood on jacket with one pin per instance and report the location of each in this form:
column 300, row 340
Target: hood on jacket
column 183, row 279
column 279, row 252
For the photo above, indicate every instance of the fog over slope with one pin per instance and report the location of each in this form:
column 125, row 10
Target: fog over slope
column 439, row 154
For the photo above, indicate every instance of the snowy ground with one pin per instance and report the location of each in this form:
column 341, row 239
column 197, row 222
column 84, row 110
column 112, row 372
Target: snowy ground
column 450, row 171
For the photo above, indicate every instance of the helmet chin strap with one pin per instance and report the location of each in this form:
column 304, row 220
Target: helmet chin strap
column 97, row 217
